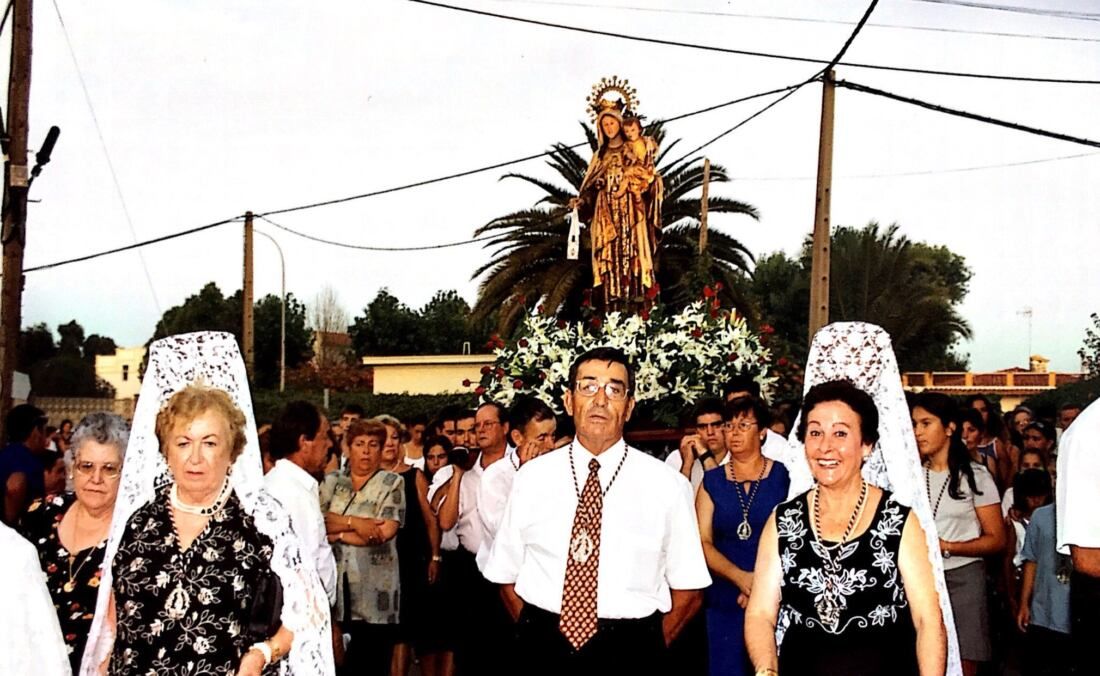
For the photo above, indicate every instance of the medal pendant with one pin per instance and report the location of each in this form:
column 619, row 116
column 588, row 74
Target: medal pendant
column 744, row 530
column 177, row 603
column 581, row 546
column 68, row 587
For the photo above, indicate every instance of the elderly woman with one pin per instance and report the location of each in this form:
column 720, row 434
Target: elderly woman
column 846, row 561
column 191, row 564
column 733, row 504
column 364, row 507
column 70, row 530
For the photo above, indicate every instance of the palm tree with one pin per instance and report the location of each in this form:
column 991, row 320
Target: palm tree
column 529, row 263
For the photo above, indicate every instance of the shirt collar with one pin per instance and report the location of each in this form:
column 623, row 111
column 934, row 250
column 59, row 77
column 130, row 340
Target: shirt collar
column 294, row 473
column 608, row 459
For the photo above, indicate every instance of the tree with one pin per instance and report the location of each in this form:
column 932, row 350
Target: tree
column 67, row 375
column 387, row 327
column 1090, row 351
column 327, row 316
column 910, row 289
column 445, row 325
column 299, row 339
column 529, row 266
column 35, row 344
column 96, row 344
column 72, row 339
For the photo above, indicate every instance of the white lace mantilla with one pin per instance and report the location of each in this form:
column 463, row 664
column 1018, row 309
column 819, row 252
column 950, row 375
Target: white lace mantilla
column 214, row 360
column 864, row 355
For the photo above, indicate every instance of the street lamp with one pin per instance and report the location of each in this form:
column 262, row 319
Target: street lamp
column 282, row 310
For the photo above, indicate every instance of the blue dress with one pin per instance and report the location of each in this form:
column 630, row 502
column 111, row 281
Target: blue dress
column 725, row 619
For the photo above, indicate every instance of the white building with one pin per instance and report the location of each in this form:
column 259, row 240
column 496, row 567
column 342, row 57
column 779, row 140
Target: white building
column 121, row 370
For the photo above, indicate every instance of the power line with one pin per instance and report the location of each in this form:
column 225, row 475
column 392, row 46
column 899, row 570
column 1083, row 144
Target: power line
column 498, row 165
column 971, row 116
column 107, row 155
column 922, row 172
column 362, row 247
column 832, row 62
column 1033, row 11
column 799, row 19
column 135, row 245
column 743, row 52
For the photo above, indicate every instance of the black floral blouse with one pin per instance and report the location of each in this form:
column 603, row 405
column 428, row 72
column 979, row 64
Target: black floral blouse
column 73, row 583
column 185, row 612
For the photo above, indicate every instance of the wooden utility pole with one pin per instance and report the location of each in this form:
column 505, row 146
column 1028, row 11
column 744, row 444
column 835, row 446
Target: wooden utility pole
column 703, row 209
column 247, row 338
column 16, row 183
column 819, row 270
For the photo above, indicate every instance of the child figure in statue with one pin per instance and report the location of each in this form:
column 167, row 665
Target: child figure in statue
column 641, row 159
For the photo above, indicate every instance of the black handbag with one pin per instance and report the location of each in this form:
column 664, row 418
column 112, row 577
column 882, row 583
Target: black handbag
column 267, row 607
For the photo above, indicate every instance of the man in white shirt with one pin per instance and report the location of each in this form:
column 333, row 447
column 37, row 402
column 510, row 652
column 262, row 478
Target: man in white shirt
column 479, row 612
column 1077, row 523
column 299, row 445
column 706, row 449
column 602, row 578
column 531, row 428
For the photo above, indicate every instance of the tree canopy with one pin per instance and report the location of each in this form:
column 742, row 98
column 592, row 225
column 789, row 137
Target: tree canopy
column 443, row 326
column 65, row 368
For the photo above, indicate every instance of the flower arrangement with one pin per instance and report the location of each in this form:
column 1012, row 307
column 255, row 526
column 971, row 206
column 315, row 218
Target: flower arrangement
column 679, row 358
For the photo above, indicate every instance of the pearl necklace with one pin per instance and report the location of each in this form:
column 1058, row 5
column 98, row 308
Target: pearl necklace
column 199, row 510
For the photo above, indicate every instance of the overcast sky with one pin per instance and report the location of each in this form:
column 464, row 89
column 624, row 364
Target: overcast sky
column 209, row 109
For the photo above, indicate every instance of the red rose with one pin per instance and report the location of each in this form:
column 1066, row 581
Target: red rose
column 542, row 375
column 714, row 313
column 718, row 286
column 731, row 357
column 500, row 373
column 562, row 324
column 485, row 370
column 479, row 391
column 596, row 322
column 708, row 292
column 697, row 333
column 518, row 384
column 652, row 291
column 523, row 342
column 466, row 382
column 782, row 361
column 645, row 315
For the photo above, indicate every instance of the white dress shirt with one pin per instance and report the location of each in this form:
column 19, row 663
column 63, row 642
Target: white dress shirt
column 30, row 637
column 467, row 532
column 492, row 498
column 676, row 462
column 1078, row 479
column 649, row 538
column 298, row 493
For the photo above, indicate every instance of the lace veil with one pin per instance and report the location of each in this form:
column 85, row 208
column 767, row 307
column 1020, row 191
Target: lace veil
column 214, row 360
column 863, row 355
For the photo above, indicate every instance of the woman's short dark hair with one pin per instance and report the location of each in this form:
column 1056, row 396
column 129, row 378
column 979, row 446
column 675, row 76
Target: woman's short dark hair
column 612, row 355
column 748, row 405
column 850, row 395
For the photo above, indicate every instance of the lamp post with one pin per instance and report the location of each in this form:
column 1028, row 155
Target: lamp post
column 282, row 310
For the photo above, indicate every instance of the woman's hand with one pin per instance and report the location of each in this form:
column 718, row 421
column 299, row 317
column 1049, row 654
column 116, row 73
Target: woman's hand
column 744, row 583
column 252, row 663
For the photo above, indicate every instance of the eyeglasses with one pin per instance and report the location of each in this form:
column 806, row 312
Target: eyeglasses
column 487, row 425
column 109, row 469
column 588, row 387
column 743, row 426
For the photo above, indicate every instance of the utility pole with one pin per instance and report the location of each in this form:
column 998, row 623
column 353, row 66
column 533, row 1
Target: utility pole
column 819, row 270
column 282, row 310
column 16, row 183
column 703, row 209
column 1027, row 313
column 247, row 338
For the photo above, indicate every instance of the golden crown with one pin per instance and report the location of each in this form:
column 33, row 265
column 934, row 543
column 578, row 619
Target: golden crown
column 598, row 101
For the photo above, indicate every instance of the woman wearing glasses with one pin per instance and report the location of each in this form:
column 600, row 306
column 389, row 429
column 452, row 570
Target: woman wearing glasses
column 733, row 505
column 70, row 530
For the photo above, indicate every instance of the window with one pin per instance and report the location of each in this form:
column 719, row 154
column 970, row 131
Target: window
column 125, row 371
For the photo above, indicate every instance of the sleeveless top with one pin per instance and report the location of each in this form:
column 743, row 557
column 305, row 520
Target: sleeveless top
column 844, row 608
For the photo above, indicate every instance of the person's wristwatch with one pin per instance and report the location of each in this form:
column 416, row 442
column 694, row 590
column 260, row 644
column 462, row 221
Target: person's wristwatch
column 437, row 559
column 946, row 553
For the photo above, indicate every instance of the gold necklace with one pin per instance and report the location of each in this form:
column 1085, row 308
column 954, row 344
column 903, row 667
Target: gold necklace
column 71, row 584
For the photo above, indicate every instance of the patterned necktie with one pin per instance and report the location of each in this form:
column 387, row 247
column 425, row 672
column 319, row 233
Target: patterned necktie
column 578, row 600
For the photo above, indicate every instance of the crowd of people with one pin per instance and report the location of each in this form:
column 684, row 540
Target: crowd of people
column 859, row 531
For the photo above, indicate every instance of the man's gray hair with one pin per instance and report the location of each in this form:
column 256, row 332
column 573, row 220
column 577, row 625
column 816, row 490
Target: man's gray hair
column 103, row 428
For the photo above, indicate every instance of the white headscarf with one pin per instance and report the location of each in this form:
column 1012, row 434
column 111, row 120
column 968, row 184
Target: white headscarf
column 214, row 360
column 863, row 355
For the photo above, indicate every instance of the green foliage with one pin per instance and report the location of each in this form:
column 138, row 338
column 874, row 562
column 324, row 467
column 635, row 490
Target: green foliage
column 72, row 338
column 529, row 266
column 1082, row 393
column 402, row 406
column 389, row 327
column 67, row 375
column 35, row 344
column 210, row 310
column 910, row 289
column 1090, row 351
column 96, row 344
